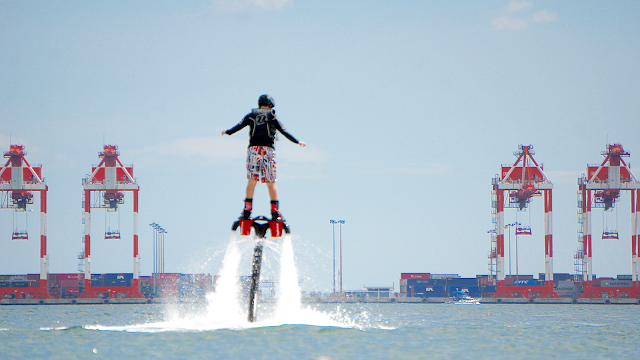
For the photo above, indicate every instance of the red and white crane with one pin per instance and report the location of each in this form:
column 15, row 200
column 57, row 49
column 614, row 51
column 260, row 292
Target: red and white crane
column 109, row 180
column 521, row 182
column 18, row 179
column 601, row 188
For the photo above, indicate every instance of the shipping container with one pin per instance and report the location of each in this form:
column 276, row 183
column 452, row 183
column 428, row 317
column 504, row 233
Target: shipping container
column 488, row 290
column 523, row 277
column 166, row 276
column 121, row 282
column 5, row 284
column 97, row 283
column 473, row 291
column 525, row 282
column 444, row 276
column 74, row 276
column 430, row 282
column 405, row 276
column 612, row 283
column 562, row 276
column 70, row 282
column 72, row 290
column 624, row 277
column 33, row 277
column 20, row 284
column 118, row 276
column 463, row 281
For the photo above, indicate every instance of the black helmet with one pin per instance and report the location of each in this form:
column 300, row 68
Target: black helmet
column 266, row 100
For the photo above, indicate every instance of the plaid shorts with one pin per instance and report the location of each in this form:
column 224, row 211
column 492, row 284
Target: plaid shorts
column 261, row 163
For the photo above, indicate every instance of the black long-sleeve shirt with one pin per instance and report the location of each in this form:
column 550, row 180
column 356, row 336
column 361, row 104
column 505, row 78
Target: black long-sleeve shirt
column 263, row 125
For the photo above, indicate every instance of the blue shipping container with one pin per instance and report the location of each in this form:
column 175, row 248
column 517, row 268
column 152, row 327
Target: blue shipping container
column 429, row 282
column 463, row 281
column 5, row 283
column 118, row 283
column 473, row 291
column 119, row 276
column 525, row 282
column 20, row 284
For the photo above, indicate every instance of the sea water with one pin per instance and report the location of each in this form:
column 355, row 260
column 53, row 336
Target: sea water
column 367, row 331
column 291, row 329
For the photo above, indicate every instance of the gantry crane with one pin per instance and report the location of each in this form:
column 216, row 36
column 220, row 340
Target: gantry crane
column 601, row 188
column 521, row 181
column 108, row 180
column 18, row 179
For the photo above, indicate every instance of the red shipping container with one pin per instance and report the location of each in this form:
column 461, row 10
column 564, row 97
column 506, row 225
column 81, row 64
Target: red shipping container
column 415, row 276
column 69, row 283
column 33, row 277
column 168, row 276
column 76, row 276
column 508, row 281
column 72, row 290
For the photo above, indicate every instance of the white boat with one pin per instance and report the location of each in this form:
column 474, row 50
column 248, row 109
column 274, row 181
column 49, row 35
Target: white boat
column 460, row 298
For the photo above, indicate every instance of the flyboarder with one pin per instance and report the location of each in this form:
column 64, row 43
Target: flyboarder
column 261, row 155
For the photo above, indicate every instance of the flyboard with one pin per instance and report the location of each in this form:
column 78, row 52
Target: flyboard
column 261, row 225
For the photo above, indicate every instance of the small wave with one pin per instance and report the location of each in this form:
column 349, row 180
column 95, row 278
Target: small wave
column 589, row 325
column 302, row 317
column 60, row 328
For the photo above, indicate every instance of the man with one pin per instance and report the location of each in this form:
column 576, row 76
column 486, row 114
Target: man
column 261, row 155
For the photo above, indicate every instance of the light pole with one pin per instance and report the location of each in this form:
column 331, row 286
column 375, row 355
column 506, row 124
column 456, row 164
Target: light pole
column 158, row 251
column 333, row 253
column 333, row 223
column 508, row 227
column 162, row 232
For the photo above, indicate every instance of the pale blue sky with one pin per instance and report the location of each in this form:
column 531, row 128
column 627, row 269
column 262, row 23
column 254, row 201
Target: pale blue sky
column 408, row 109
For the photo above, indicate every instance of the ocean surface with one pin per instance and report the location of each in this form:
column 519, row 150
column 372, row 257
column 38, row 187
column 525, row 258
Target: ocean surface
column 339, row 331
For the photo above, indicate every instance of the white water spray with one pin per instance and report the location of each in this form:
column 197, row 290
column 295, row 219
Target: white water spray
column 288, row 306
column 226, row 308
column 224, row 305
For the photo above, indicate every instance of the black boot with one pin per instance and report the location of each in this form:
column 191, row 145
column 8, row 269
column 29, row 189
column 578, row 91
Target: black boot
column 275, row 213
column 246, row 212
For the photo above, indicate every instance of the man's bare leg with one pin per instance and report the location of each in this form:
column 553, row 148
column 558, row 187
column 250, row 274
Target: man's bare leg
column 251, row 186
column 273, row 190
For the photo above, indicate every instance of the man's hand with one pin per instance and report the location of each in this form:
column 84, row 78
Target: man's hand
column 302, row 143
column 223, row 132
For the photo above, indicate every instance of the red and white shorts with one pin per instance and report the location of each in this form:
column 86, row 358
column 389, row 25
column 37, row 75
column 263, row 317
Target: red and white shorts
column 261, row 163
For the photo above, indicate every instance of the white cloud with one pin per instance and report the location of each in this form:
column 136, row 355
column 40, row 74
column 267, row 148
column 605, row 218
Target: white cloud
column 544, row 16
column 509, row 23
column 517, row 6
column 413, row 169
column 243, row 5
column 219, row 149
column 295, row 154
column 212, row 148
column 516, row 16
